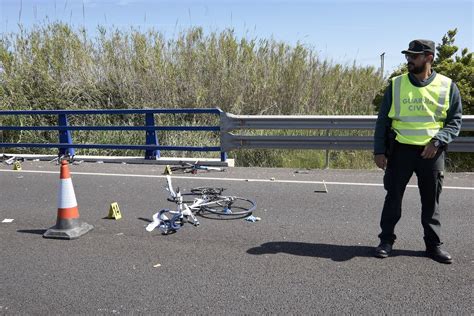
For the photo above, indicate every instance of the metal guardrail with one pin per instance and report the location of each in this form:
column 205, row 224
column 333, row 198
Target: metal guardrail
column 228, row 123
column 230, row 141
column 151, row 147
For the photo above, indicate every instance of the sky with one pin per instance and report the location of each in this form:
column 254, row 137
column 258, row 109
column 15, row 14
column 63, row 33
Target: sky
column 341, row 31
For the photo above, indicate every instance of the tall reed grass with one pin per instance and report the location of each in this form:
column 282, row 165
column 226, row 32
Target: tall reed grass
column 53, row 66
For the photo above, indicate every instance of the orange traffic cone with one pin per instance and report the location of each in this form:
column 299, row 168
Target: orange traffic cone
column 67, row 225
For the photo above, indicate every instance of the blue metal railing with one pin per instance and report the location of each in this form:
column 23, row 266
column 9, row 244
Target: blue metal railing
column 151, row 148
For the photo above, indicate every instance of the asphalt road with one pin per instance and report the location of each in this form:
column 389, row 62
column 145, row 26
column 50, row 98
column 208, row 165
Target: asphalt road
column 310, row 253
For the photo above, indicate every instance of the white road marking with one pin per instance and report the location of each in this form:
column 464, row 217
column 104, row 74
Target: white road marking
column 225, row 179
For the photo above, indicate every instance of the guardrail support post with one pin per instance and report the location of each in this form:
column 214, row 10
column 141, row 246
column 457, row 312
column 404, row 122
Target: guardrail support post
column 151, row 137
column 65, row 136
column 223, row 120
column 326, row 166
column 223, row 156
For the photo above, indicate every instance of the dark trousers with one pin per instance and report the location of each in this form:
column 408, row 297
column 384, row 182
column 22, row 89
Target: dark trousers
column 402, row 162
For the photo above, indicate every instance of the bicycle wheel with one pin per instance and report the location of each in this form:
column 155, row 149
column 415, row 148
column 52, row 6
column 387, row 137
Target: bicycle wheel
column 187, row 198
column 179, row 169
column 230, row 206
column 196, row 192
column 207, row 191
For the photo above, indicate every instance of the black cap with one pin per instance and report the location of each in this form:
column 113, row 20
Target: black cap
column 420, row 46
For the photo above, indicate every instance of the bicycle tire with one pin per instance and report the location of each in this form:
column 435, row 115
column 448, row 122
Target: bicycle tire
column 196, row 192
column 234, row 207
column 207, row 191
column 191, row 198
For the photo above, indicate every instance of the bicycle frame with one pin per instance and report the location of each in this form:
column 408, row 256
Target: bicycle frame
column 183, row 213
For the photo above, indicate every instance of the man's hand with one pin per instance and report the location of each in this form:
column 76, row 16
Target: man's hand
column 429, row 151
column 380, row 161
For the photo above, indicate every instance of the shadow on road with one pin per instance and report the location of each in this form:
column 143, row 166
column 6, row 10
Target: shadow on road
column 333, row 252
column 32, row 231
column 145, row 219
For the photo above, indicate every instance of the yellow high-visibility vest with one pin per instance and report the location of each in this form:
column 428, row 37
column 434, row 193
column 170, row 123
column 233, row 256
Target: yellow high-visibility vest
column 418, row 113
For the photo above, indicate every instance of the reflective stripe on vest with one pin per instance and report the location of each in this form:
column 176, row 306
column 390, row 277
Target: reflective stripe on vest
column 418, row 113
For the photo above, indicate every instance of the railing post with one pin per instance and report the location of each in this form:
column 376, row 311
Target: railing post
column 223, row 127
column 65, row 136
column 223, row 156
column 151, row 138
column 326, row 166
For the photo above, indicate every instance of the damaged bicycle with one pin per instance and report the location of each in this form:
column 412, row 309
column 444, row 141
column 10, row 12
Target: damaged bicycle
column 206, row 202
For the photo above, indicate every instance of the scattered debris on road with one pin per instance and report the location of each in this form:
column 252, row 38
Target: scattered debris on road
column 252, row 219
column 322, row 191
column 302, row 171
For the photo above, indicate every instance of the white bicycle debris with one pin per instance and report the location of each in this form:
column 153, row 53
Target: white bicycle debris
column 206, row 202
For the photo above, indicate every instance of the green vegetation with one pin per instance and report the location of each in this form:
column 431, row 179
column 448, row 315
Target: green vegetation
column 55, row 67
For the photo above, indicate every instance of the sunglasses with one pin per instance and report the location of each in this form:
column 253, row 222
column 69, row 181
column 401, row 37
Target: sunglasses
column 413, row 56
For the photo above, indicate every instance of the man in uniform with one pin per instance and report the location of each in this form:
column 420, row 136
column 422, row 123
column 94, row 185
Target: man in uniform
column 420, row 114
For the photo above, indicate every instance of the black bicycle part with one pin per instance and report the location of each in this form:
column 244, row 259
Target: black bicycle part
column 196, row 192
column 188, row 198
column 207, row 191
column 229, row 207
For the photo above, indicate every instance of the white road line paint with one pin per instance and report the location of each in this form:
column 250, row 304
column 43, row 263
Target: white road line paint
column 8, row 220
column 225, row 179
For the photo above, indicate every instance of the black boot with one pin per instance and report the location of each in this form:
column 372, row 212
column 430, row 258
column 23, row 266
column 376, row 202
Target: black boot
column 435, row 253
column 383, row 250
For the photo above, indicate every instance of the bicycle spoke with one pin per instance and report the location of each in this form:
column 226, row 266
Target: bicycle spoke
column 235, row 207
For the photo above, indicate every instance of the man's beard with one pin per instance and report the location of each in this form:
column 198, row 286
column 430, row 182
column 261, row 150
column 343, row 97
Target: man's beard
column 416, row 70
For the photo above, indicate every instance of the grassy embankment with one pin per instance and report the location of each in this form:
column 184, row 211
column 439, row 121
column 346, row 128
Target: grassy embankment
column 56, row 67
